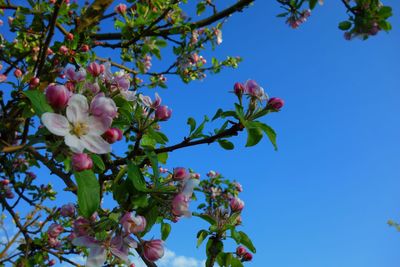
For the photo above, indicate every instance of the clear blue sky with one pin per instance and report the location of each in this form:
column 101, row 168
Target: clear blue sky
column 324, row 198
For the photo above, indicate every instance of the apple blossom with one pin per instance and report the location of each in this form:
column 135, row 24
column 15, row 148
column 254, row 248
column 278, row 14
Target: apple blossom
column 85, row 48
column 94, row 69
column 34, row 81
column 76, row 76
column 240, row 250
column 3, row 77
column 103, row 107
column 68, row 210
column 133, row 223
column 17, row 73
column 63, row 50
column 79, row 129
column 275, row 103
column 180, row 174
column 238, row 89
column 247, row 256
column 163, row 113
column 254, row 90
column 55, row 230
column 70, row 36
column 121, row 9
column 57, row 96
column 146, row 100
column 153, row 249
column 113, row 135
column 236, row 204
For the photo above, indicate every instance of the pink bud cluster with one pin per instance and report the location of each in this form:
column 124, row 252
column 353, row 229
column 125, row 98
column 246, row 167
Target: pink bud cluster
column 132, row 223
column 296, row 20
column 52, row 233
column 242, row 253
column 5, row 189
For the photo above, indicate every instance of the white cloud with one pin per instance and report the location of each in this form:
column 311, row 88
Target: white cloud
column 170, row 259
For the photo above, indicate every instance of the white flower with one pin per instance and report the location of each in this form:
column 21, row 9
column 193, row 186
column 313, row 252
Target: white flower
column 80, row 130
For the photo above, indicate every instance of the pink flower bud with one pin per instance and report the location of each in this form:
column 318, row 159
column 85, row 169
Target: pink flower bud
column 51, row 262
column 81, row 162
column 55, row 230
column 113, row 135
column 275, row 103
column 54, row 242
column 63, row 50
column 253, row 89
column 17, row 73
column 70, row 36
column 3, row 77
column 57, row 96
column 5, row 182
column 247, row 256
column 180, row 205
column 34, row 82
column 238, row 186
column 68, row 210
column 238, row 88
column 236, row 204
column 95, row 69
column 121, row 9
column 93, row 87
column 240, row 251
column 49, row 52
column 133, row 223
column 153, row 249
column 180, row 174
column 163, row 113
column 81, row 226
column 85, row 48
column 102, row 106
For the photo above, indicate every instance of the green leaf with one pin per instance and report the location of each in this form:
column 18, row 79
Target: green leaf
column 313, row 3
column 236, row 262
column 245, row 240
column 282, row 15
column 269, row 132
column 192, row 124
column 345, row 25
column 217, row 114
column 385, row 25
column 154, row 163
column 199, row 130
column 136, row 177
column 165, row 230
column 201, row 7
column 385, row 12
column 98, row 162
column 38, row 101
column 151, row 218
column 88, row 192
column 235, row 235
column 201, row 235
column 226, row 144
column 254, row 135
column 205, row 217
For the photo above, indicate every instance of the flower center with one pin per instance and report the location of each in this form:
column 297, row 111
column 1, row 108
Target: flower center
column 80, row 129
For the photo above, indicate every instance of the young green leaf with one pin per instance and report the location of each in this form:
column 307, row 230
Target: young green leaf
column 38, row 101
column 88, row 192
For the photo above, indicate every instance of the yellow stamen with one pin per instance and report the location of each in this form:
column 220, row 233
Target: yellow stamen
column 80, row 129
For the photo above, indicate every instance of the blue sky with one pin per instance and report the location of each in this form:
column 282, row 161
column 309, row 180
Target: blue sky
column 323, row 199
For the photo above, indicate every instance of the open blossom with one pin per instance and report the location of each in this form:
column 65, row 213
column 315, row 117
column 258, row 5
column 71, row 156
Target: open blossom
column 153, row 249
column 146, row 100
column 180, row 203
column 133, row 223
column 118, row 246
column 79, row 129
column 253, row 89
column 76, row 76
column 118, row 82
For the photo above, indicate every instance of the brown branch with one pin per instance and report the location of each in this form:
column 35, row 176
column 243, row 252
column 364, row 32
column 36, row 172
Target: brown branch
column 117, row 65
column 179, row 29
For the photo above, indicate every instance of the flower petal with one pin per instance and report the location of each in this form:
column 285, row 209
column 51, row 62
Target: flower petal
column 188, row 187
column 98, row 125
column 74, row 143
column 56, row 123
column 78, row 108
column 122, row 255
column 97, row 257
column 85, row 241
column 95, row 144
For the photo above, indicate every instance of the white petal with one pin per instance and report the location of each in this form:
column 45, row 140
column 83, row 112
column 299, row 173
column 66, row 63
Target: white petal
column 97, row 257
column 85, row 241
column 120, row 254
column 56, row 123
column 74, row 143
column 78, row 109
column 98, row 125
column 189, row 186
column 95, row 144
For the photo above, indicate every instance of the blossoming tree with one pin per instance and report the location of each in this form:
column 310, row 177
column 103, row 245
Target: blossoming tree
column 66, row 105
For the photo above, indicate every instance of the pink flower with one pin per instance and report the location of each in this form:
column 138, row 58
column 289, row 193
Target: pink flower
column 63, row 50
column 55, row 230
column 240, row 251
column 95, row 69
column 81, row 226
column 275, row 103
column 133, row 223
column 163, row 113
column 79, row 129
column 238, row 89
column 253, row 89
column 238, row 186
column 1, row 22
column 3, row 77
column 70, row 36
column 247, row 256
column 85, row 48
column 121, row 9
column 180, row 203
column 76, row 76
column 146, row 100
column 153, row 249
column 180, row 174
column 68, row 210
column 57, row 96
column 113, row 135
column 102, row 106
column 34, row 82
column 93, row 87
column 81, row 162
column 54, row 242
column 236, row 204
column 17, row 73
